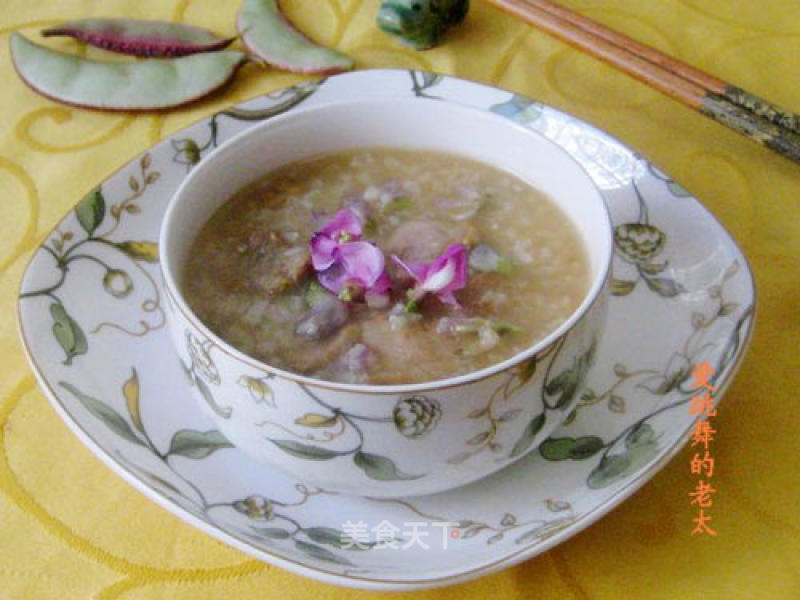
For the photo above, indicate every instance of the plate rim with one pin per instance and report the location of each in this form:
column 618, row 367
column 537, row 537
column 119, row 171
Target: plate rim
column 360, row 581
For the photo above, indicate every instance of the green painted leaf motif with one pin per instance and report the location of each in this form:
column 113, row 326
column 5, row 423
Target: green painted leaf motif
column 328, row 535
column 639, row 436
column 557, row 505
column 544, row 531
column 321, row 553
column 144, row 251
column 380, row 468
column 68, row 333
column 459, row 458
column 273, row 533
column 527, row 371
column 663, row 286
column 519, row 109
column 641, row 447
column 197, row 444
column 163, row 483
column 305, row 451
column 296, row 94
column 567, row 383
column 731, row 270
column 528, row 435
column 616, row 403
column 339, row 539
column 653, row 268
column 478, row 438
column 430, row 79
column 111, row 418
column 556, row 448
column 622, row 287
column 222, row 411
column 91, row 210
column 571, row 448
column 678, row 190
column 586, row 447
column 509, row 415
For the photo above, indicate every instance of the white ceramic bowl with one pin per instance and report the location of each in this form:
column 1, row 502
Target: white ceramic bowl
column 397, row 440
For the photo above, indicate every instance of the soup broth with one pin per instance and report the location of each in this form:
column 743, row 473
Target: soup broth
column 251, row 278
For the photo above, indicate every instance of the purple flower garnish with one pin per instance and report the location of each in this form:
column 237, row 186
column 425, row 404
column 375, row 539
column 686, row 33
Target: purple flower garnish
column 446, row 274
column 345, row 265
column 345, row 226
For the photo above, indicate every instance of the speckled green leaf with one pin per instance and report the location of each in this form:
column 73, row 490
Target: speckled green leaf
column 380, row 468
column 91, row 210
column 111, row 418
column 266, row 32
column 197, row 444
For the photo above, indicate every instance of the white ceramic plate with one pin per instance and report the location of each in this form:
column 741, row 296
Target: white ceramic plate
column 92, row 321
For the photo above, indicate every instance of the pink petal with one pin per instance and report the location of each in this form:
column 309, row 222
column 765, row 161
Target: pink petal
column 345, row 221
column 382, row 285
column 415, row 270
column 323, row 251
column 448, row 298
column 448, row 272
column 363, row 262
column 333, row 278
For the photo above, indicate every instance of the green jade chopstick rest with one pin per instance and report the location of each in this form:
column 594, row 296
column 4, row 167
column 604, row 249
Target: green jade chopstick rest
column 420, row 23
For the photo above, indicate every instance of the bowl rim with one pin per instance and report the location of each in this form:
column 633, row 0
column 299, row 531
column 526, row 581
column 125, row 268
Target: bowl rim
column 173, row 290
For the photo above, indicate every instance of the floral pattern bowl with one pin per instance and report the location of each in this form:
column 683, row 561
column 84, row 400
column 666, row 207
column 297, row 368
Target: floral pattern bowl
column 398, row 440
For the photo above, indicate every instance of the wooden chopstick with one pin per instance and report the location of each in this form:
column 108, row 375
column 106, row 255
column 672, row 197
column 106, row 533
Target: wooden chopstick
column 754, row 117
column 736, row 95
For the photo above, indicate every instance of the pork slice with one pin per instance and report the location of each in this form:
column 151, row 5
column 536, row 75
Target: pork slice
column 283, row 270
column 422, row 241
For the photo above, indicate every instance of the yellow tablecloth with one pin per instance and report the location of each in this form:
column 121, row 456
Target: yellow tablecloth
column 71, row 529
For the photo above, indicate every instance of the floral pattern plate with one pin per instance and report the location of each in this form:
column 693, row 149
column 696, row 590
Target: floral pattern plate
column 92, row 321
